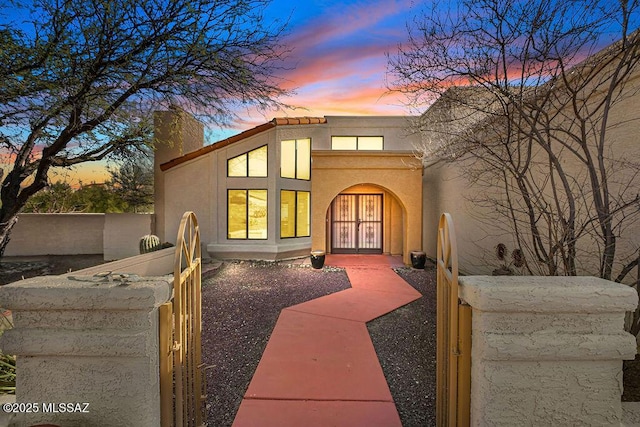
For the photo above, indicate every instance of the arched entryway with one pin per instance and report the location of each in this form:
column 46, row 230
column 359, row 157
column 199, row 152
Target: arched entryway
column 365, row 219
column 393, row 178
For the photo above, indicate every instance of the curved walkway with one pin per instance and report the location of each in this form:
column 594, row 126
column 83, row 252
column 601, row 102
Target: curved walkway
column 319, row 367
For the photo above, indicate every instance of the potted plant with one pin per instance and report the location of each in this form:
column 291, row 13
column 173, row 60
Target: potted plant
column 317, row 259
column 418, row 259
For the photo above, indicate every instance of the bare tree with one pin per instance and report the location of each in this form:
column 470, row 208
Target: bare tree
column 79, row 82
column 534, row 119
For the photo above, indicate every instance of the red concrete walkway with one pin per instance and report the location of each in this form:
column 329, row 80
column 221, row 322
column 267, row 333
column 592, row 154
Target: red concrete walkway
column 319, row 367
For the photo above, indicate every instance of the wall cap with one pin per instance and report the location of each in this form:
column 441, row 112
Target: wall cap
column 546, row 294
column 64, row 293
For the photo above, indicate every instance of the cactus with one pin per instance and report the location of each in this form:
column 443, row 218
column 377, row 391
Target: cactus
column 149, row 243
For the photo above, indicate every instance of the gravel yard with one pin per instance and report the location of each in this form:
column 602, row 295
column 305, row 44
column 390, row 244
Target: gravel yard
column 241, row 304
column 405, row 341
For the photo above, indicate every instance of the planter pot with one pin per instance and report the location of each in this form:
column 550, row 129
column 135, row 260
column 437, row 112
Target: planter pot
column 418, row 259
column 317, row 259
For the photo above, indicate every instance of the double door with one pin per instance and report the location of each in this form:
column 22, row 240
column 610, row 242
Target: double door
column 356, row 224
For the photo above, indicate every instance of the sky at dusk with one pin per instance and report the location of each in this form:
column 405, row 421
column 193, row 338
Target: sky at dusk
column 337, row 64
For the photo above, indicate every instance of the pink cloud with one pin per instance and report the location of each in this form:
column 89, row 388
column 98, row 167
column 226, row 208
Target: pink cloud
column 330, row 45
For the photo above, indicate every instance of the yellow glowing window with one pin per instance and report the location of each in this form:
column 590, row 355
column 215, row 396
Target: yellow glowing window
column 237, row 214
column 344, row 143
column 295, row 212
column 370, row 143
column 288, row 159
column 287, row 213
column 252, row 164
column 357, row 143
column 237, row 166
column 247, row 214
column 295, row 159
column 303, row 217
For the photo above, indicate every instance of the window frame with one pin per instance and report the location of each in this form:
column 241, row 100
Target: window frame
column 266, row 175
column 295, row 156
column 357, row 137
column 246, row 190
column 295, row 219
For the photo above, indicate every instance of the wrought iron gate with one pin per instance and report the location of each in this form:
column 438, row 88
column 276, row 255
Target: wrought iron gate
column 453, row 380
column 182, row 380
column 356, row 224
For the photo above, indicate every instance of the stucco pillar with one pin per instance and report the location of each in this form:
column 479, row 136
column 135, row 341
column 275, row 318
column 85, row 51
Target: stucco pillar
column 86, row 341
column 175, row 133
column 547, row 350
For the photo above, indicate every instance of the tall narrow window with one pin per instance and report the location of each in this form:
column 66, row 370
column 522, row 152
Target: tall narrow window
column 252, row 164
column 288, row 159
column 237, row 214
column 357, row 143
column 303, row 214
column 287, row 213
column 303, row 159
column 295, row 213
column 247, row 214
column 295, row 159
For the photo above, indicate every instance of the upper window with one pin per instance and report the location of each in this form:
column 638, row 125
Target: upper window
column 295, row 158
column 357, row 143
column 253, row 163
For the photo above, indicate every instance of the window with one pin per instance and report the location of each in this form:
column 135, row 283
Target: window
column 357, row 143
column 295, row 159
column 247, row 214
column 295, row 215
column 253, row 164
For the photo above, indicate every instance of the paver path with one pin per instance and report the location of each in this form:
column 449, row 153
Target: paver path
column 319, row 367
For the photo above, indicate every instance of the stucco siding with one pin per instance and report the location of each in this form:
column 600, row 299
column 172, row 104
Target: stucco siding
column 394, row 129
column 447, row 187
column 188, row 188
column 57, row 234
column 122, row 233
column 115, row 235
column 478, row 229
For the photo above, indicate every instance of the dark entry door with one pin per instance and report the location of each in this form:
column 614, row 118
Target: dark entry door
column 356, row 224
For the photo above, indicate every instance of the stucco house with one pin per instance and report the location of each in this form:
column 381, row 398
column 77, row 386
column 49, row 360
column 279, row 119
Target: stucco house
column 292, row 185
column 355, row 185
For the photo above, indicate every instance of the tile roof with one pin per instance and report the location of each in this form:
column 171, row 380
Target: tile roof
column 278, row 121
column 299, row 120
